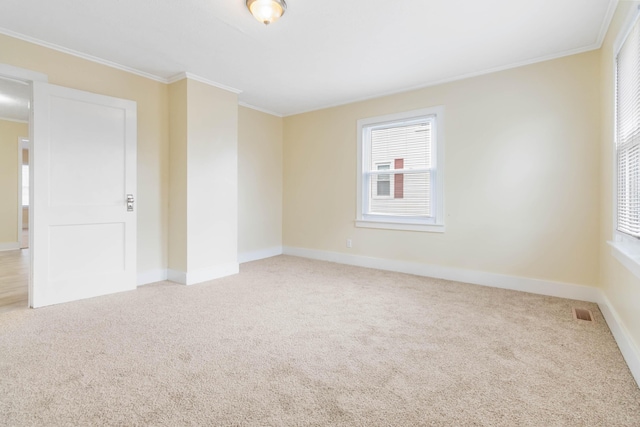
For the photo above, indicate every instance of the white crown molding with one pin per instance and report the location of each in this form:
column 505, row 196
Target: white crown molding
column 454, row 79
column 172, row 79
column 187, row 75
column 81, row 55
column 601, row 35
column 8, row 119
column 262, row 110
column 606, row 22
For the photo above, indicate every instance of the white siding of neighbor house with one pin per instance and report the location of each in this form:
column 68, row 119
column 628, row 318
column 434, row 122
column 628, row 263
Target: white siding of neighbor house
column 412, row 143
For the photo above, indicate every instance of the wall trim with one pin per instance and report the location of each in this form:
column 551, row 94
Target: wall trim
column 78, row 54
column 177, row 276
column 21, row 75
column 180, row 76
column 203, row 275
column 187, row 75
column 606, row 22
column 623, row 338
column 10, row 246
column 262, row 110
column 459, row 77
column 151, row 276
column 495, row 280
column 626, row 344
column 259, row 254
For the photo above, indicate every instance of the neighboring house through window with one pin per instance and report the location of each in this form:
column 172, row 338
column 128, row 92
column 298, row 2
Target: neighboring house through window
column 400, row 174
column 383, row 182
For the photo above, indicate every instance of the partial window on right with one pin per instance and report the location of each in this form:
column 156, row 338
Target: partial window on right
column 628, row 134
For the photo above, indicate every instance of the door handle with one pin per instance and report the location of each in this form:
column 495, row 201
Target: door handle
column 129, row 202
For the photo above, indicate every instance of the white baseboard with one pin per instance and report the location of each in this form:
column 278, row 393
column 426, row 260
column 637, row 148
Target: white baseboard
column 260, row 254
column 203, row 275
column 524, row 284
column 177, row 276
column 11, row 246
column 151, row 276
column 627, row 345
column 625, row 342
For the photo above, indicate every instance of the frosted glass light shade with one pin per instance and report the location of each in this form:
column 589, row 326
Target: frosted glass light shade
column 267, row 11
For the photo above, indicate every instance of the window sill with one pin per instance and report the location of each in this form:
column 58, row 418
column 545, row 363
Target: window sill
column 628, row 254
column 433, row 228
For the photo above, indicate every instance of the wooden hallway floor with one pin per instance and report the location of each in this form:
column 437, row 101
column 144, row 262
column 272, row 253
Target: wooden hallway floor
column 14, row 279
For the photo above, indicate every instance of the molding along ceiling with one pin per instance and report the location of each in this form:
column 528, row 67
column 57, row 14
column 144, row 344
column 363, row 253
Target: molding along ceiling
column 321, row 53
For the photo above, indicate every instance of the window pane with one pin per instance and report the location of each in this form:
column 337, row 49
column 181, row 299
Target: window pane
column 384, row 187
column 402, row 146
column 410, row 142
column 415, row 201
column 628, row 134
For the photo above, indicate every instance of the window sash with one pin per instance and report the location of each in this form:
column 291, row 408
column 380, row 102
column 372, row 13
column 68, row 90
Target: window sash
column 628, row 134
column 427, row 219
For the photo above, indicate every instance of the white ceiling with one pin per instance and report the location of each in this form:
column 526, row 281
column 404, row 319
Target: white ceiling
column 320, row 53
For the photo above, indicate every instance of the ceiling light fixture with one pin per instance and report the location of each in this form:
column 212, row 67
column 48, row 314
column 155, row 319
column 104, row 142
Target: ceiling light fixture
column 267, row 11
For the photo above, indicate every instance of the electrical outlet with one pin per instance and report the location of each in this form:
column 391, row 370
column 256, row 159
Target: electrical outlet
column 348, row 243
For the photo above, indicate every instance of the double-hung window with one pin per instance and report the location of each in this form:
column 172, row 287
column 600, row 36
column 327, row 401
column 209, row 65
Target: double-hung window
column 628, row 134
column 627, row 148
column 400, row 171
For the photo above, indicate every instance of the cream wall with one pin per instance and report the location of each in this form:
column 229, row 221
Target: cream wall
column 9, row 134
column 521, row 175
column 178, row 176
column 203, row 182
column 152, row 99
column 212, row 177
column 260, row 181
column 621, row 287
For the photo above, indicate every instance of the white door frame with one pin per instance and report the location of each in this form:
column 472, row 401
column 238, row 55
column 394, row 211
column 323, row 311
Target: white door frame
column 20, row 189
column 23, row 144
column 26, row 76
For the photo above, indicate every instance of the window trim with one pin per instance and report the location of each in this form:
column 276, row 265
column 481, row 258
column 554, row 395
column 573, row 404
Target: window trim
column 436, row 222
column 625, row 248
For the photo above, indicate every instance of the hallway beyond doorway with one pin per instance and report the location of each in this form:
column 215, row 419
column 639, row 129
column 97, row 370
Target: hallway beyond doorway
column 14, row 280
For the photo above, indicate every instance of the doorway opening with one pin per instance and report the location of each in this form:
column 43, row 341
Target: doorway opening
column 15, row 103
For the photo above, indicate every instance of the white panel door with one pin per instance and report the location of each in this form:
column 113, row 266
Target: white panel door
column 83, row 168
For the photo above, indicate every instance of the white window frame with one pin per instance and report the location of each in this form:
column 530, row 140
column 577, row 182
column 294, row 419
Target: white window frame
column 625, row 248
column 435, row 223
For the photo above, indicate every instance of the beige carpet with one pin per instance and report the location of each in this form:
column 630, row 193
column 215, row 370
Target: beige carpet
column 295, row 342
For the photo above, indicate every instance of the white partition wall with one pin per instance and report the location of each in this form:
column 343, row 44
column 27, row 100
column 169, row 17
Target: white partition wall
column 203, row 214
